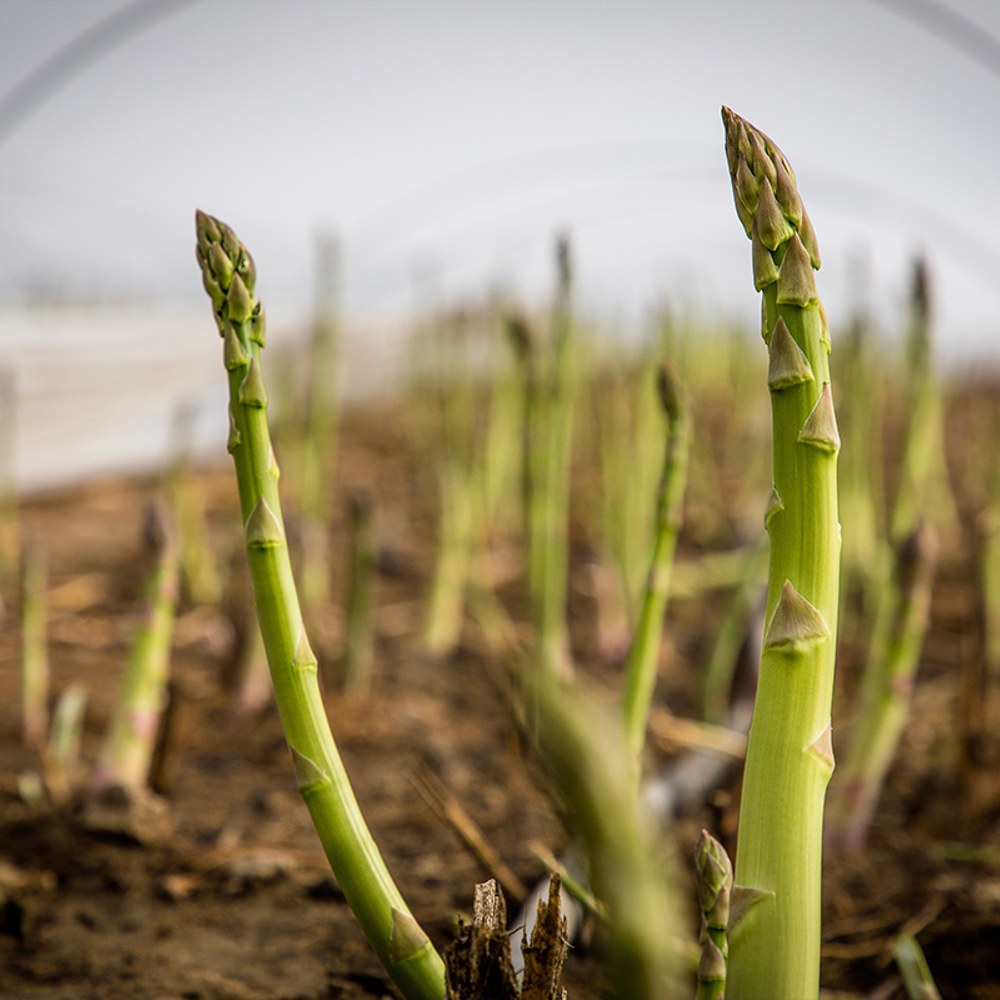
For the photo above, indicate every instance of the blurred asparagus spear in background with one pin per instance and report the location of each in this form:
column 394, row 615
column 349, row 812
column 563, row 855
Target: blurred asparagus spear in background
column 775, row 932
column 10, row 542
column 322, row 425
column 128, row 749
column 404, row 949
column 923, row 491
column 34, row 645
column 887, row 687
column 916, row 973
column 644, row 655
column 714, row 877
column 359, row 646
column 548, row 427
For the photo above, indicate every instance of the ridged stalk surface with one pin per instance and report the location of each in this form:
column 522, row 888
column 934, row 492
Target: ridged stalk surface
column 775, row 930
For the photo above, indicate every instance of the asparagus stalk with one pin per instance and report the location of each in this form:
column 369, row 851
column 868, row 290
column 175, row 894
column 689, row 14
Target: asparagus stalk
column 644, row 655
column 34, row 646
column 886, row 692
column 359, row 648
column 714, row 876
column 319, row 449
column 61, row 754
column 916, row 973
column 10, row 531
column 583, row 747
column 402, row 946
column 553, row 634
column 923, row 485
column 775, row 932
column 128, row 748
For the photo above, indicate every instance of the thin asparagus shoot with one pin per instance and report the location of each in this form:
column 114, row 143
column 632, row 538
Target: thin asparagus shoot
column 319, row 449
column 644, row 654
column 714, row 877
column 34, row 646
column 360, row 644
column 61, row 754
column 553, row 633
column 404, row 949
column 128, row 748
column 584, row 749
column 887, row 688
column 775, row 932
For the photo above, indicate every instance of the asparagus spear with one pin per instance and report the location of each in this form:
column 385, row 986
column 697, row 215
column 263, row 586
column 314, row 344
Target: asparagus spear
column 886, row 691
column 916, row 973
column 360, row 645
column 128, row 748
column 714, row 876
column 775, row 932
column 640, row 668
column 404, row 949
column 34, row 645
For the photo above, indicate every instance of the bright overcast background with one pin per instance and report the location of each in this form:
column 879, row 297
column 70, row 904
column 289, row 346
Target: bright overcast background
column 457, row 138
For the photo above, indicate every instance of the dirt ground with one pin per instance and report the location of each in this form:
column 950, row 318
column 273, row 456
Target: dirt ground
column 238, row 903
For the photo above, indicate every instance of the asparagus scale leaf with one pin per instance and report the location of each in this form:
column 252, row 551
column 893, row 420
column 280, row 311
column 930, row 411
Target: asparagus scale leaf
column 229, row 277
column 775, row 928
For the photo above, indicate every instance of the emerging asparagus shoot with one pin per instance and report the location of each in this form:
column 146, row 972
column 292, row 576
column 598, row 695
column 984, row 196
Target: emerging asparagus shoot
column 775, row 930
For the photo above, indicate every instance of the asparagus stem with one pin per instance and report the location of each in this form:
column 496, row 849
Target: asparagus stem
column 61, row 755
column 319, row 449
column 553, row 633
column 731, row 635
column 402, row 946
column 923, row 485
column 644, row 654
column 34, row 646
column 714, row 876
column 359, row 648
column 10, row 532
column 131, row 739
column 913, row 967
column 584, row 749
column 886, row 692
column 775, row 934
column 198, row 570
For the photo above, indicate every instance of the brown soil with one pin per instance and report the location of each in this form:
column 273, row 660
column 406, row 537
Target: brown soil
column 239, row 903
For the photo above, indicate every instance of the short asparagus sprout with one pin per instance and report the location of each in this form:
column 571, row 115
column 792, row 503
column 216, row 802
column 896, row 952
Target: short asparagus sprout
column 128, row 750
column 775, row 932
column 714, row 875
column 404, row 949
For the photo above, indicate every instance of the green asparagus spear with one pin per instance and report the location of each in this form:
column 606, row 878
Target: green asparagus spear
column 34, row 645
column 643, row 658
column 916, row 973
column 886, row 692
column 131, row 739
column 714, row 875
column 359, row 648
column 404, row 949
column 775, row 933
